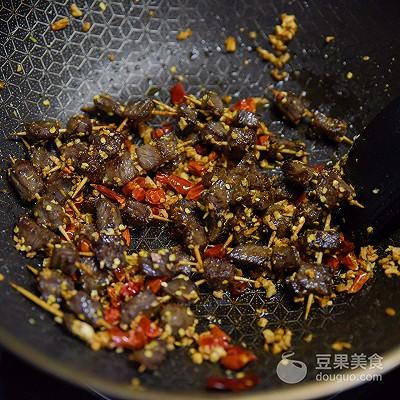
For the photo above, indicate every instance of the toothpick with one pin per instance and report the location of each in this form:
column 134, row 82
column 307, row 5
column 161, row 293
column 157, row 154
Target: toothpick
column 32, row 269
column 160, row 218
column 298, row 228
column 64, row 233
column 242, row 279
column 80, row 186
column 37, row 300
column 197, row 255
column 310, row 301
column 346, row 139
column 228, row 241
column 271, row 238
column 122, row 125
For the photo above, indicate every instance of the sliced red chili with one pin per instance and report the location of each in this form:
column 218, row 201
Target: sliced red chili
column 180, row 185
column 154, row 284
column 84, row 246
column 149, row 328
column 196, row 168
column 130, row 289
column 162, row 178
column 216, row 251
column 119, row 274
column 114, row 299
column 155, row 196
column 111, row 194
column 237, row 357
column 214, row 337
column 112, row 315
column 301, row 199
column 333, row 263
column 128, row 144
column 233, row 384
column 359, row 281
column 213, row 155
column 126, row 235
column 263, row 140
column 200, row 149
column 177, row 93
column 236, row 288
column 248, row 104
column 318, row 167
column 70, row 229
column 195, row 192
column 163, row 130
column 133, row 340
column 346, row 245
column 350, row 261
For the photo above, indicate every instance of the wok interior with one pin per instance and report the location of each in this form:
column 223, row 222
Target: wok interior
column 69, row 69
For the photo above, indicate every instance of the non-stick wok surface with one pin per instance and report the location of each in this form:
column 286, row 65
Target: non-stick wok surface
column 69, row 67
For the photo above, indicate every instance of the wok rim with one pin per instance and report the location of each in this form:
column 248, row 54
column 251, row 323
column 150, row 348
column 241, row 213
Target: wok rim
column 309, row 390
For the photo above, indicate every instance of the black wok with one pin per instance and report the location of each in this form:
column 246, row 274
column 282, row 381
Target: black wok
column 69, row 67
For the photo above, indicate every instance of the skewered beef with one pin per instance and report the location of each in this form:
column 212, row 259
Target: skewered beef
column 284, row 258
column 33, row 237
column 247, row 118
column 212, row 102
column 65, row 257
column 291, row 106
column 84, row 307
column 176, row 317
column 149, row 157
column 144, row 302
column 251, row 256
column 311, row 278
column 182, row 289
column 53, row 285
column 40, row 131
column 318, row 240
column 298, row 173
column 107, row 105
column 331, row 128
column 218, row 272
column 151, row 356
column 79, row 126
column 139, row 110
column 107, row 215
column 136, row 214
column 109, row 250
column 26, row 180
column 49, row 213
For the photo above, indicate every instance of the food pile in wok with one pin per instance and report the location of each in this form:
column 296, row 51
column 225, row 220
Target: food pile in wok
column 245, row 205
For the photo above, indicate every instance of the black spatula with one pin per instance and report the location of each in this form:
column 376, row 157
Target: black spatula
column 373, row 168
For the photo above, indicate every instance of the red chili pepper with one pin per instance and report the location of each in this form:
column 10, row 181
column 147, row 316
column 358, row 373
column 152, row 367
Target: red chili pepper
column 154, row 284
column 163, row 130
column 200, row 149
column 237, row 357
column 214, row 337
column 177, row 93
column 318, row 167
column 263, row 140
column 333, row 263
column 149, row 328
column 110, row 194
column 126, row 235
column 139, row 194
column 301, row 199
column 216, row 251
column 84, row 246
column 114, row 299
column 130, row 289
column 346, row 246
column 180, row 185
column 196, row 168
column 248, row 104
column 128, row 144
column 161, row 178
column 350, row 261
column 119, row 274
column 232, row 384
column 359, row 281
column 70, row 229
column 237, row 288
column 213, row 155
column 195, row 192
column 155, row 196
column 133, row 340
column 112, row 315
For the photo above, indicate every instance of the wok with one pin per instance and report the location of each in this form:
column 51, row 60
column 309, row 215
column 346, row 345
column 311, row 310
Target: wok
column 68, row 67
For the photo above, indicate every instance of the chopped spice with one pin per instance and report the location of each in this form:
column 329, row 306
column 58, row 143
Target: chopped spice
column 230, row 44
column 185, row 34
column 75, row 11
column 390, row 311
column 60, row 24
column 86, row 26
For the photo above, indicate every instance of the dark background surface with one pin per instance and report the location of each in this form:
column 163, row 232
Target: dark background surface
column 69, row 67
column 19, row 381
